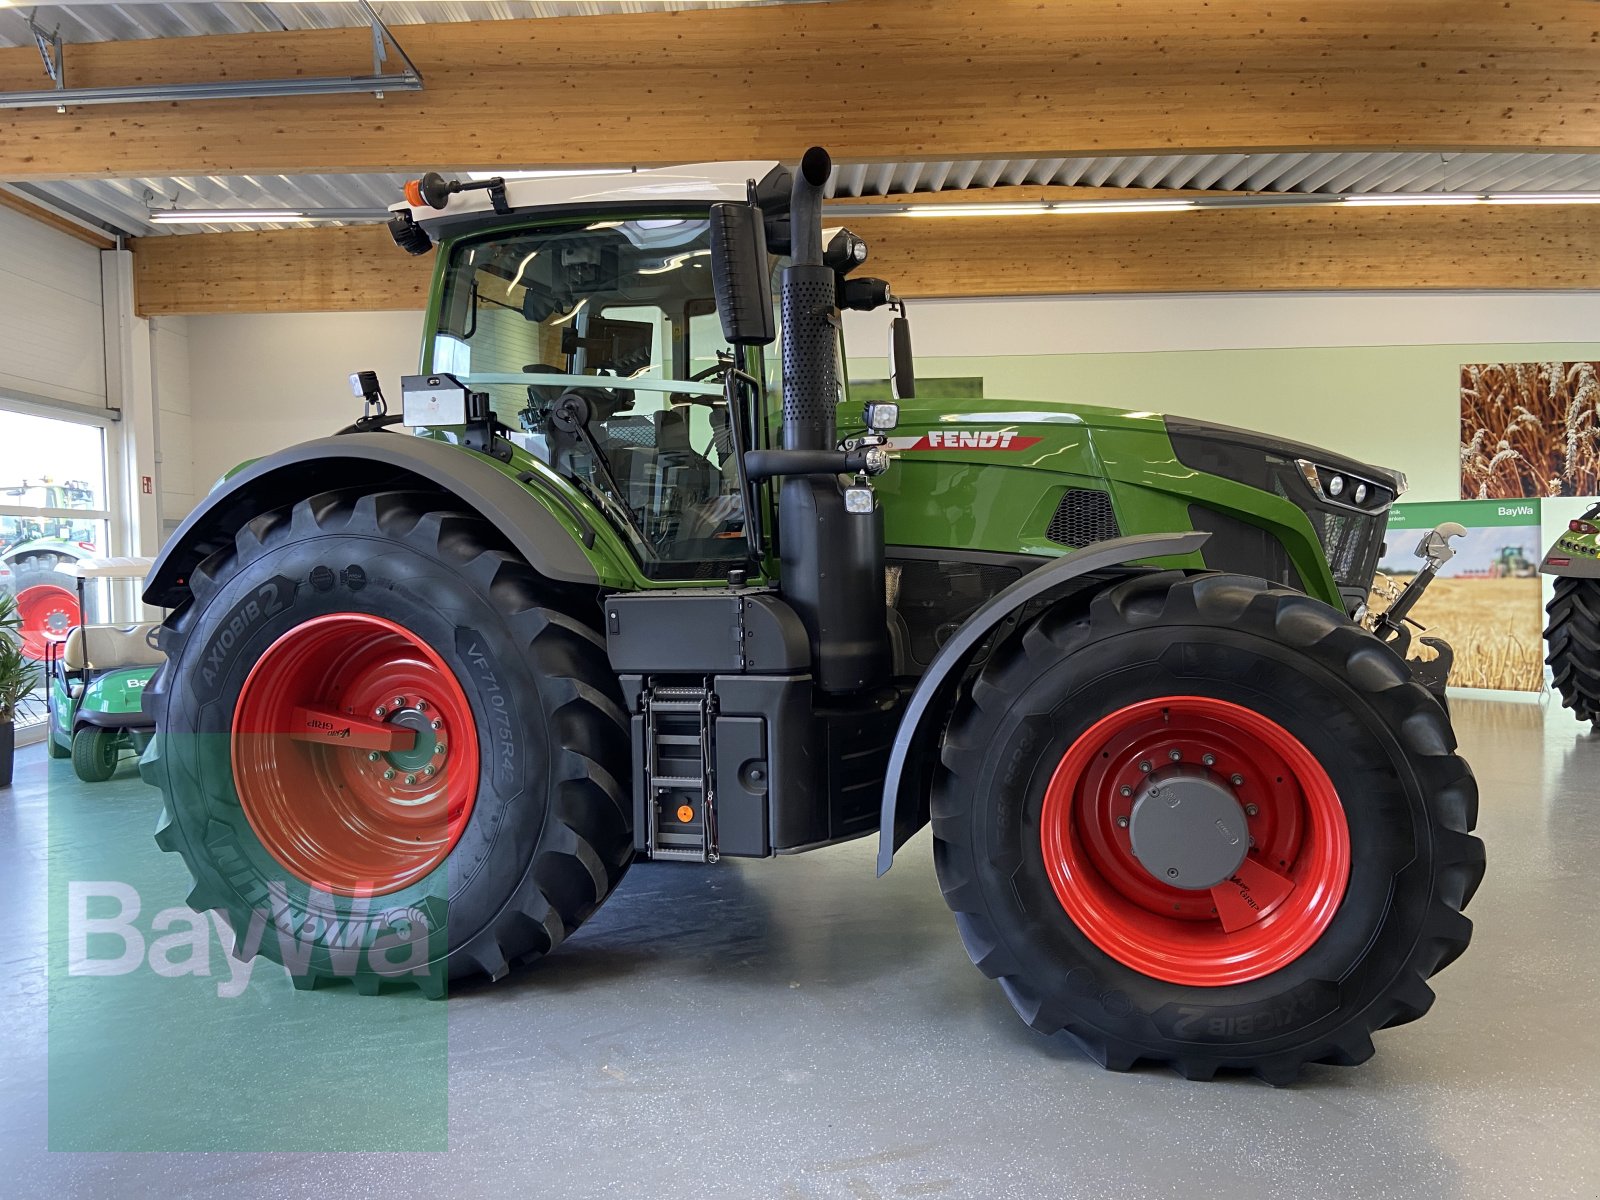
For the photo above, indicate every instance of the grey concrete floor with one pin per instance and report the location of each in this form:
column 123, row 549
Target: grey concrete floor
column 792, row 1029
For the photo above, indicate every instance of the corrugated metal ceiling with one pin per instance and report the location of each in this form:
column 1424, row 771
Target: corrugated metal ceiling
column 119, row 22
column 123, row 204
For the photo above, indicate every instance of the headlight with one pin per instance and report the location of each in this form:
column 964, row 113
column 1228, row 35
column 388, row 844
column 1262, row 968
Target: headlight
column 1360, row 494
column 1336, row 486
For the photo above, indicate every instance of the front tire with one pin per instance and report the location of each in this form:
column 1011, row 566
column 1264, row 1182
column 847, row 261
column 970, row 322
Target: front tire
column 1270, row 719
column 94, row 753
column 1572, row 638
column 485, row 834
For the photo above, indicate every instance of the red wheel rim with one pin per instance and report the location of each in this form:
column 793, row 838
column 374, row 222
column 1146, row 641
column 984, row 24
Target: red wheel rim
column 47, row 613
column 1267, row 914
column 334, row 810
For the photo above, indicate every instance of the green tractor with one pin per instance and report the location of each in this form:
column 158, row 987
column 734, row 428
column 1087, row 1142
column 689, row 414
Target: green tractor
column 40, row 551
column 636, row 584
column 1572, row 635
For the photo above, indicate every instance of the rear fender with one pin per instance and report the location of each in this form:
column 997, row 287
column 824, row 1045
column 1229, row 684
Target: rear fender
column 377, row 460
column 905, row 803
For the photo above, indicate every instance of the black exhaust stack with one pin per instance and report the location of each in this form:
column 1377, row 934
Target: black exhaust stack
column 832, row 558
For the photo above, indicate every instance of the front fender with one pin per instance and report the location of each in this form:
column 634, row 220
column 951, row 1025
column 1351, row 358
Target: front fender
column 903, row 814
column 376, row 460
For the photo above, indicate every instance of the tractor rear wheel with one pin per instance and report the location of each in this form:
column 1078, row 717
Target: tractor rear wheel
column 1572, row 639
column 47, row 603
column 1207, row 822
column 389, row 750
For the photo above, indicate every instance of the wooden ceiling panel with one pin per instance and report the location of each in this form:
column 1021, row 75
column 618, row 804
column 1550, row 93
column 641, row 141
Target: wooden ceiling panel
column 874, row 79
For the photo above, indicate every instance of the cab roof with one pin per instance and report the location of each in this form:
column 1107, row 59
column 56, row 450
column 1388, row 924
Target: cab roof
column 695, row 184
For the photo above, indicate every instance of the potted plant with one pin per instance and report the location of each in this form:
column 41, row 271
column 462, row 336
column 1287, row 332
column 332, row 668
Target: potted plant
column 18, row 677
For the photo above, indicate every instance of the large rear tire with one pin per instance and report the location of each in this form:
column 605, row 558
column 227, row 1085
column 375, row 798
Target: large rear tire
column 1310, row 756
column 1572, row 638
column 47, row 603
column 485, row 835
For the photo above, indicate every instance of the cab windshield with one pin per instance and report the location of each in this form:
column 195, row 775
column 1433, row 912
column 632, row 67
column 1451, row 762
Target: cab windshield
column 621, row 314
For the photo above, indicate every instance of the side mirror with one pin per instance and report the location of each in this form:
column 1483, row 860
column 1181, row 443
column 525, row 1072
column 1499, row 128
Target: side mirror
column 902, row 368
column 741, row 275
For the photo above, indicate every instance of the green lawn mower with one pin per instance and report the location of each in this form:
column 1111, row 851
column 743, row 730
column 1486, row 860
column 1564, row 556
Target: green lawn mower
column 1572, row 635
column 641, row 581
column 96, row 678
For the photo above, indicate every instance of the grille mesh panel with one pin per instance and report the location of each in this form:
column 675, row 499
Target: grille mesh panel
column 1084, row 516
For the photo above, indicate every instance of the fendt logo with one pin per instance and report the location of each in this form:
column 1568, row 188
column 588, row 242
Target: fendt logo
column 965, row 439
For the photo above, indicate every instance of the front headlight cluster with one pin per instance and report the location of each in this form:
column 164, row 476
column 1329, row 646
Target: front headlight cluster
column 1344, row 489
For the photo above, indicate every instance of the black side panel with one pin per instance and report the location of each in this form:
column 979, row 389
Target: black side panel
column 375, row 460
column 704, row 632
column 1237, row 545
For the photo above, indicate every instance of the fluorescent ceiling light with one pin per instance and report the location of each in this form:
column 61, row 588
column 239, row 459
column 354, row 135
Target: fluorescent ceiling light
column 1406, row 199
column 550, row 173
column 1045, row 207
column 1543, row 198
column 225, row 216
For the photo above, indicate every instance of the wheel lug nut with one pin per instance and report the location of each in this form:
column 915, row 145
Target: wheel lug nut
column 1174, row 755
column 428, row 770
column 379, row 711
column 440, row 749
column 1236, row 780
column 422, row 706
column 372, row 756
column 1125, row 790
column 389, row 774
column 437, row 724
column 1145, row 766
column 399, row 701
column 411, row 778
column 1210, row 760
column 1173, row 872
column 1250, row 810
column 1122, row 822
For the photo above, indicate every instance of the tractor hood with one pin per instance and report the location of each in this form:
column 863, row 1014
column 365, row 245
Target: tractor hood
column 1249, row 457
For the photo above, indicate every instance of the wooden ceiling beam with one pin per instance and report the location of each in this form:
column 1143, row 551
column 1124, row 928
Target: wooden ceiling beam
column 875, row 79
column 1322, row 248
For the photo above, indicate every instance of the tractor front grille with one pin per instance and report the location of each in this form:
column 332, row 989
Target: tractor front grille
column 1084, row 516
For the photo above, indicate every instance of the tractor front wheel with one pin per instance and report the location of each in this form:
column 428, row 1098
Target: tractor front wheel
column 47, row 603
column 1572, row 642
column 389, row 750
column 1206, row 822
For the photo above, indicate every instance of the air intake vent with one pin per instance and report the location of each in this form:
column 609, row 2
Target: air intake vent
column 1083, row 516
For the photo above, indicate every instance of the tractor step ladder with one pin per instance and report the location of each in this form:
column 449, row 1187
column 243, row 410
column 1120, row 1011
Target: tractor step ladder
column 681, row 807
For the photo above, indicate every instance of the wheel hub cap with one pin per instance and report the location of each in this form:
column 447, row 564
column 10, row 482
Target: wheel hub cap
column 355, row 754
column 1195, row 840
column 1187, row 830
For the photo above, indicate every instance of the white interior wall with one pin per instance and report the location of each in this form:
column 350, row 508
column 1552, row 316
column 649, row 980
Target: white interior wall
column 259, row 383
column 52, row 337
column 169, row 353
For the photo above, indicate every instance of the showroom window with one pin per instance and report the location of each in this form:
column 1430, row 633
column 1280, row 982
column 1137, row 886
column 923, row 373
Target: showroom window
column 54, row 510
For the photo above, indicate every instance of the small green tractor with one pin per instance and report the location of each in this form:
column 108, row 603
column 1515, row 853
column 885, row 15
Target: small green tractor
column 639, row 581
column 1572, row 636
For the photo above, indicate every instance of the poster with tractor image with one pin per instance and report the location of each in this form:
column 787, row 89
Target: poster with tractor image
column 1486, row 600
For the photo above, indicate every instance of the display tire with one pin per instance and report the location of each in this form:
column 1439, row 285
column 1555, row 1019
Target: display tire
column 1408, row 802
column 1572, row 642
column 548, row 835
column 95, row 753
column 47, row 602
